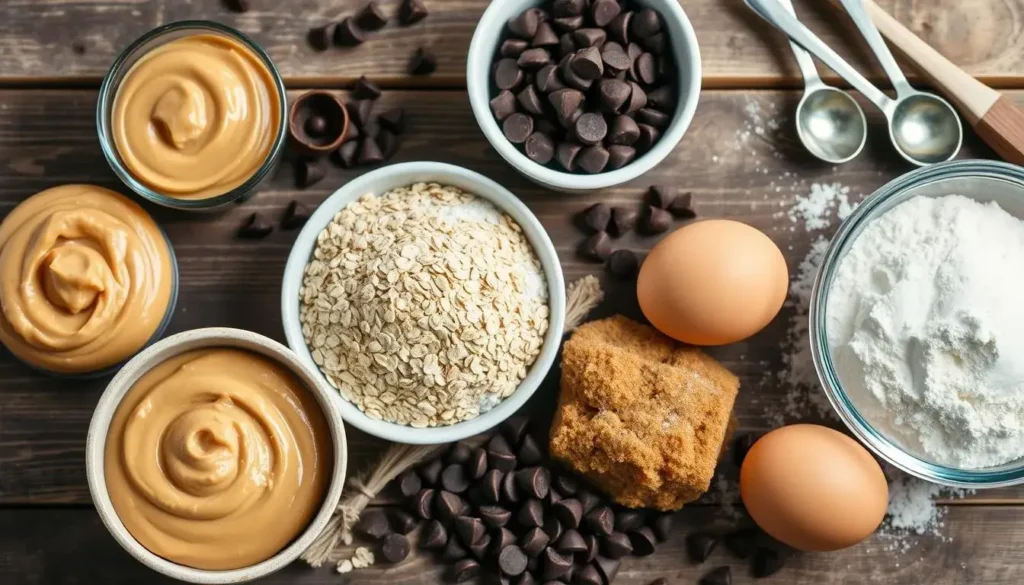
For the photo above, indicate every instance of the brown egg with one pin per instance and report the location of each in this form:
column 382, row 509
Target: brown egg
column 813, row 488
column 713, row 282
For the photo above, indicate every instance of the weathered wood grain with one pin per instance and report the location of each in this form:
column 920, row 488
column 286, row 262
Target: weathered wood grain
column 980, row 546
column 740, row 159
column 68, row 40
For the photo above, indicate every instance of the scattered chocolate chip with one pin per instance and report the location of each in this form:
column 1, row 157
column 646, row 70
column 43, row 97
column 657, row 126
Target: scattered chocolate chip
column 555, row 564
column 509, row 489
column 411, row 12
column 423, row 503
column 618, row 28
column 458, row 454
column 469, row 529
column 662, row 523
column 531, row 514
column 620, row 156
column 660, row 196
column 454, row 551
column 656, row 220
column 623, row 264
column 348, row 34
column 643, row 541
column 494, row 516
column 595, row 219
column 741, row 542
column 545, row 36
column 255, row 227
column 659, row 581
column 587, row 63
column 514, row 429
column 434, row 536
column 766, row 563
column 682, row 208
column 295, row 216
column 240, row 6
column 320, row 37
column 623, row 220
column 500, row 539
column 465, row 570
column 571, row 542
column 369, row 152
column 372, row 17
column 481, row 547
column 534, row 541
column 589, row 575
column 517, row 128
column 361, row 112
column 423, row 62
column 490, row 486
column 648, row 136
column 401, row 521
column 529, row 451
column 700, row 545
column 525, row 25
column 366, row 89
column 602, row 12
column 454, row 480
column 503, row 105
column 512, row 561
column 616, row 545
column 373, row 524
column 476, row 465
column 596, row 248
column 589, row 37
column 566, row 153
column 431, row 472
column 395, row 548
column 409, row 483
column 512, row 48
column 388, row 144
column 645, row 23
column 308, row 172
column 593, row 159
column 719, row 576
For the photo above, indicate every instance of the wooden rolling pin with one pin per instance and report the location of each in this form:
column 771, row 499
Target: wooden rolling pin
column 994, row 116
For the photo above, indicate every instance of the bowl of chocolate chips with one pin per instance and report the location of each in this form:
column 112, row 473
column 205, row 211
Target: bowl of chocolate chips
column 580, row 95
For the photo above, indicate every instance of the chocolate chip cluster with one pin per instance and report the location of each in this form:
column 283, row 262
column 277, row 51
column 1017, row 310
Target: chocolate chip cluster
column 589, row 84
column 501, row 511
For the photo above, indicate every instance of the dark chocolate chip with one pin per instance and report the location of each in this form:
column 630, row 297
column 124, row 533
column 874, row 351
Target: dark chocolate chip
column 366, row 89
column 568, row 7
column 570, row 511
column 500, row 539
column 719, row 576
column 448, row 506
column 369, row 152
column 601, row 521
column 388, row 144
column 507, row 74
column 308, row 172
column 570, row 77
column 593, row 546
column 503, row 105
column 567, row 25
column 459, row 453
column 700, row 545
column 682, row 207
column 593, row 159
column 623, row 131
column 589, row 37
column 566, row 483
column 490, row 486
column 643, row 541
column 512, row 561
column 602, row 12
column 315, row 126
column 525, row 25
column 529, row 450
column 596, row 248
column 395, row 548
column 465, row 570
column 514, row 429
column 481, row 547
column 476, row 466
column 411, row 12
column 423, row 62
column 454, row 480
column 590, row 129
column 662, row 98
column 373, row 524
column 423, row 503
column 545, row 36
column 532, row 59
column 652, row 117
column 645, row 23
column 553, row 528
column 517, row 128
column 589, row 575
column 566, row 103
column 348, row 34
column 469, row 529
column 662, row 523
column 637, row 98
column 594, row 219
column 434, row 536
column 525, row 579
column 623, row 220
column 554, row 497
column 534, row 481
column 587, row 64
column 648, row 136
column 571, row 542
column 255, row 227
column 454, row 551
column 401, row 521
column 531, row 514
column 660, row 196
column 618, row 29
column 646, row 70
column 512, row 48
column 616, row 545
column 608, row 568
column 509, row 489
column 766, row 563
column 240, row 6
column 615, row 57
column 566, row 153
column 741, row 447
column 588, row 499
column 534, row 541
column 656, row 220
column 295, row 216
column 656, row 43
column 634, row 51
column 372, row 17
column 555, row 564
column 494, row 516
column 620, row 156
column 431, row 472
column 528, row 98
column 547, row 79
column 361, row 112
column 614, row 95
column 409, row 483
column 320, row 37
column 741, row 542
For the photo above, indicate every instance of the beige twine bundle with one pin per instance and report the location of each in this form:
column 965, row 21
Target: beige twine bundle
column 581, row 298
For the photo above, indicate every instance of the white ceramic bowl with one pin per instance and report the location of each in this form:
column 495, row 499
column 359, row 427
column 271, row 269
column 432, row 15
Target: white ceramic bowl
column 490, row 30
column 162, row 351
column 378, row 182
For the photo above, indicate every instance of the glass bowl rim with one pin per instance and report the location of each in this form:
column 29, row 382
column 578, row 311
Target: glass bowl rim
column 108, row 92
column 871, row 208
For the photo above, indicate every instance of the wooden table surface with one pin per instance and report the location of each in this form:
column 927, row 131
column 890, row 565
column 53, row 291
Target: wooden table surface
column 740, row 159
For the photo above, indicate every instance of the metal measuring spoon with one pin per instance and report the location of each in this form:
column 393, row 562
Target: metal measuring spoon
column 923, row 127
column 829, row 122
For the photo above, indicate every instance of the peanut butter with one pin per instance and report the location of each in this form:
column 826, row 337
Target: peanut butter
column 85, row 279
column 196, row 117
column 217, row 459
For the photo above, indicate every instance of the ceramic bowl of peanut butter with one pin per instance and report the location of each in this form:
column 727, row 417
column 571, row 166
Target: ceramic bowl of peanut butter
column 87, row 279
column 192, row 115
column 216, row 456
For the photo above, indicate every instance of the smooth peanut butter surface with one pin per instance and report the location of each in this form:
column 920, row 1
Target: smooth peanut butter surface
column 197, row 117
column 85, row 279
column 217, row 459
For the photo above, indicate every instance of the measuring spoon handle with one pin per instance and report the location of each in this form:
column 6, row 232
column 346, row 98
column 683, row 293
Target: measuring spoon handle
column 777, row 15
column 859, row 14
column 803, row 59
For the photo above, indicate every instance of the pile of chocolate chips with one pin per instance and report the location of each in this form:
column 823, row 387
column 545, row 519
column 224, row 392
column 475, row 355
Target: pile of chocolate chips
column 589, row 84
column 372, row 138
column 501, row 511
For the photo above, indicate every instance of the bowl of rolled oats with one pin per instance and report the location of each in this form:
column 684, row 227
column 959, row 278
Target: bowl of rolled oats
column 429, row 297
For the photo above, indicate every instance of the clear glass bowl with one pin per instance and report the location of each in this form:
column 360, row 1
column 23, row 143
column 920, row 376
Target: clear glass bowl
column 111, row 83
column 980, row 180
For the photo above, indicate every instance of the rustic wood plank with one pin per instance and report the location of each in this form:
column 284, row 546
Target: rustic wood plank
column 740, row 159
column 74, row 40
column 979, row 546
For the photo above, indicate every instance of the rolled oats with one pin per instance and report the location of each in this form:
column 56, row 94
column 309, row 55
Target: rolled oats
column 424, row 306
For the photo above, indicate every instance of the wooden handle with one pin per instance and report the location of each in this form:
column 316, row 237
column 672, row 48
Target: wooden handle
column 973, row 97
column 1002, row 128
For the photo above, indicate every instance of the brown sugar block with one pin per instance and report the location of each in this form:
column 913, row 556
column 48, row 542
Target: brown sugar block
column 641, row 415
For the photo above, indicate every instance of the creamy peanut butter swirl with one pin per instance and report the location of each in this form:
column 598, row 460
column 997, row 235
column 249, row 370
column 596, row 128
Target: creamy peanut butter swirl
column 85, row 279
column 217, row 459
column 196, row 117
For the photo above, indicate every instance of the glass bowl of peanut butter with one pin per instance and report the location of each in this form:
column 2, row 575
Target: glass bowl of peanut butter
column 193, row 115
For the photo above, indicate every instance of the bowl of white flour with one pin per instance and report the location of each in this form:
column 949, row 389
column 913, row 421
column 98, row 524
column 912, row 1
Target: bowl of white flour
column 917, row 323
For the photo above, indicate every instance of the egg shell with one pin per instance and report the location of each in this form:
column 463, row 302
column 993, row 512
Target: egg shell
column 713, row 282
column 813, row 488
